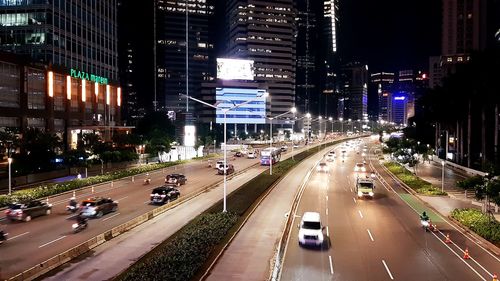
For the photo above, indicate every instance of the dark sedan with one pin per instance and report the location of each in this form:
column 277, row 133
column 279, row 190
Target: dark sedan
column 164, row 194
column 25, row 212
column 177, row 179
column 96, row 207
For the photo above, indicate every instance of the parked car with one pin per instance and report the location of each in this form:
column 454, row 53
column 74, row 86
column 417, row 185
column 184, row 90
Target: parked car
column 27, row 211
column 228, row 170
column 96, row 207
column 177, row 179
column 164, row 194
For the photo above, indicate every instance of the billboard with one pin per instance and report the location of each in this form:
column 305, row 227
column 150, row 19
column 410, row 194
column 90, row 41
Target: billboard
column 235, row 69
column 189, row 135
column 251, row 113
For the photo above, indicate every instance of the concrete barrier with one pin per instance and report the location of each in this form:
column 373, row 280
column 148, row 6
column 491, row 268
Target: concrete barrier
column 468, row 171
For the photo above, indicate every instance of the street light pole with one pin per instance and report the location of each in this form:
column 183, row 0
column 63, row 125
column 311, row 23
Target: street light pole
column 225, row 162
column 225, row 111
column 10, row 175
column 442, row 176
column 341, row 125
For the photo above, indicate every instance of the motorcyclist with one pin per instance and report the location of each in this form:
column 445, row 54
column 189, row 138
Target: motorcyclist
column 424, row 217
column 147, row 179
column 72, row 202
column 2, row 236
column 81, row 219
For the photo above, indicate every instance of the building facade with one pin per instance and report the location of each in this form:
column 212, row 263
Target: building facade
column 382, row 83
column 65, row 102
column 264, row 31
column 172, row 64
column 69, row 33
column 355, row 91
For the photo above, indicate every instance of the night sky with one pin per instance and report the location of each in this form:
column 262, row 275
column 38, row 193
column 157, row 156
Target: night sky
column 390, row 34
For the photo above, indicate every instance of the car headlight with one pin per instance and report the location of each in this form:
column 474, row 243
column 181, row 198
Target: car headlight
column 356, row 169
column 371, row 193
column 360, row 193
column 363, row 169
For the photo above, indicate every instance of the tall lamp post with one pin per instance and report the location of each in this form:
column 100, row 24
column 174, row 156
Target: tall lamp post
column 10, row 175
column 331, row 121
column 292, row 110
column 341, row 125
column 225, row 111
column 442, row 176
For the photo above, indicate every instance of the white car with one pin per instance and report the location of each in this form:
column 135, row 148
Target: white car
column 360, row 167
column 311, row 230
column 251, row 155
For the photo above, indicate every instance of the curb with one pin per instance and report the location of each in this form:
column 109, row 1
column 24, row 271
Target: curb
column 480, row 240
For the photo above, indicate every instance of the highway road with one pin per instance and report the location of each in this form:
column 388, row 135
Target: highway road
column 33, row 242
column 380, row 238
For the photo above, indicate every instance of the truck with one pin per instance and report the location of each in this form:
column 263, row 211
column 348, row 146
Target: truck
column 365, row 187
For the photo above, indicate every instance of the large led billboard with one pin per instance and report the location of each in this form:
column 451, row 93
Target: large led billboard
column 235, row 69
column 250, row 113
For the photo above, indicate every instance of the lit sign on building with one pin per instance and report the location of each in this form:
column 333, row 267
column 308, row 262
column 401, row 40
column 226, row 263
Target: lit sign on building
column 235, row 69
column 399, row 98
column 250, row 113
column 88, row 76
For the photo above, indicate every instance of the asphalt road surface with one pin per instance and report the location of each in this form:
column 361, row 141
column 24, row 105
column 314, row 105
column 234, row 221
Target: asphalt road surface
column 32, row 242
column 379, row 238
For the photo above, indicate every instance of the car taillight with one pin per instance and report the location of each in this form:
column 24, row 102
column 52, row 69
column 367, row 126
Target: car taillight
column 19, row 213
column 7, row 212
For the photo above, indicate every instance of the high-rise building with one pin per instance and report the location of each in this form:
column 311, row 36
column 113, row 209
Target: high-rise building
column 307, row 91
column 464, row 31
column 355, row 91
column 80, row 35
column 382, row 83
column 171, row 62
column 264, row 31
column 398, row 107
column 435, row 71
column 330, row 59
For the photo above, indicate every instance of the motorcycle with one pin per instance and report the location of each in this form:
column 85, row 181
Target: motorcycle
column 147, row 181
column 425, row 225
column 72, row 208
column 3, row 237
column 77, row 227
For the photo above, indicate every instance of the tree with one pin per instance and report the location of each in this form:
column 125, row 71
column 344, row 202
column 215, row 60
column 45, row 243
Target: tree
column 91, row 141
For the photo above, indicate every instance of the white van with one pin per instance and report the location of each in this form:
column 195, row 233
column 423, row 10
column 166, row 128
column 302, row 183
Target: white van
column 311, row 230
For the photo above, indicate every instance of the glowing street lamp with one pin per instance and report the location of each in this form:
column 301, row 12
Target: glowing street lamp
column 225, row 111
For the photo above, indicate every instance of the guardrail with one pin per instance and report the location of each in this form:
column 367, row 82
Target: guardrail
column 64, row 257
column 459, row 167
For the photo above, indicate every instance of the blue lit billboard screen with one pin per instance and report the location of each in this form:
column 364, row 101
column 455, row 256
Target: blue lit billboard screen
column 253, row 112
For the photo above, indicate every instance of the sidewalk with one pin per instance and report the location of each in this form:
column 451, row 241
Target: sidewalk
column 457, row 198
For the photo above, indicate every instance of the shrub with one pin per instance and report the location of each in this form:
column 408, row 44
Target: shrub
column 182, row 256
column 414, row 182
column 46, row 190
column 480, row 223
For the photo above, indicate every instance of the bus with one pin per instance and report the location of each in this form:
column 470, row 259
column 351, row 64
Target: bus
column 270, row 154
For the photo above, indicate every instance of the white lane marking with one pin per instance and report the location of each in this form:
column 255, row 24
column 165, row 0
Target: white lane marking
column 350, row 188
column 354, row 199
column 110, row 217
column 459, row 257
column 17, row 236
column 118, row 200
column 71, row 216
column 147, row 202
column 371, row 237
column 387, row 269
column 48, row 243
column 360, row 214
column 327, row 198
column 473, row 259
column 327, row 211
column 411, row 207
column 327, row 232
column 331, row 264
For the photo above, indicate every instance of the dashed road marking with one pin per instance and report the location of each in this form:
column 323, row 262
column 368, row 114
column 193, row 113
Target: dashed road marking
column 55, row 240
column 360, row 214
column 387, row 269
column 331, row 264
column 370, row 234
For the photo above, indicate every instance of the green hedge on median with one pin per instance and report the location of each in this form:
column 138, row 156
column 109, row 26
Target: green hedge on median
column 180, row 258
column 480, row 223
column 46, row 190
column 414, row 182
